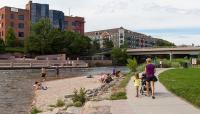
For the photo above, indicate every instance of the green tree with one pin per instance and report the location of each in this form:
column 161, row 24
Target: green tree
column 40, row 39
column 10, row 38
column 132, row 64
column 108, row 44
column 45, row 39
column 163, row 43
column 2, row 46
column 119, row 56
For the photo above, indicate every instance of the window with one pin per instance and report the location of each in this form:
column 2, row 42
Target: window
column 1, row 25
column 21, row 17
column 21, row 25
column 11, row 16
column 2, row 16
column 21, row 34
column 73, row 23
column 12, row 24
column 66, row 23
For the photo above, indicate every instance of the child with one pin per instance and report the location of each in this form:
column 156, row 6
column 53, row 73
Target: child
column 137, row 82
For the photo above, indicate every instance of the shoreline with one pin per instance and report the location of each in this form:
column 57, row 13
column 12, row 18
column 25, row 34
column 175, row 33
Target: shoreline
column 33, row 102
column 59, row 87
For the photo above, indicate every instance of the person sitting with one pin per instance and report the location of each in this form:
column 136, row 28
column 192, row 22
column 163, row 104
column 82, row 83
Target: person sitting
column 117, row 74
column 39, row 86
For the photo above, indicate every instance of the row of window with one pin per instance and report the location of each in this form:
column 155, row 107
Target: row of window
column 20, row 34
column 75, row 23
column 20, row 25
column 20, row 17
column 12, row 16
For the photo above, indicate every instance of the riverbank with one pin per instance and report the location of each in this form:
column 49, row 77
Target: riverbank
column 57, row 89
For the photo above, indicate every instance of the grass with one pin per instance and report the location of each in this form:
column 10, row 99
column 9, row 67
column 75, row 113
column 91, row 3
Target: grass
column 119, row 92
column 184, row 83
column 14, row 49
column 118, row 96
column 124, row 83
column 35, row 110
column 59, row 103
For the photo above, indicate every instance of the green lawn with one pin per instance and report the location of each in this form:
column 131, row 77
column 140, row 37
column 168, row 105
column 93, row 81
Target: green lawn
column 184, row 83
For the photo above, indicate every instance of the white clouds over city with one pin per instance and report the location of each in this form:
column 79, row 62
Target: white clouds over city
column 136, row 15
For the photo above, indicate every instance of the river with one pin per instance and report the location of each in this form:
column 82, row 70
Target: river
column 16, row 91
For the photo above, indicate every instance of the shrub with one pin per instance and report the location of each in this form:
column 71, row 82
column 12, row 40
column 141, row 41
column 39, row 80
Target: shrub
column 118, row 95
column 35, row 110
column 141, row 67
column 78, row 104
column 132, row 64
column 60, row 103
column 79, row 96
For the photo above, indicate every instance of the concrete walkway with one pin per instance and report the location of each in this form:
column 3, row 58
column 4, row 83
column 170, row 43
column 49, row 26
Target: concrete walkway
column 165, row 102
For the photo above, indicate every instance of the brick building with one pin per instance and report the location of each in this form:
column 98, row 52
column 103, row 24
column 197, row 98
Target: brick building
column 121, row 36
column 75, row 24
column 16, row 18
column 21, row 19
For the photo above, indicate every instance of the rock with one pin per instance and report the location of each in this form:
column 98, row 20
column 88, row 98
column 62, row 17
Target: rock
column 74, row 110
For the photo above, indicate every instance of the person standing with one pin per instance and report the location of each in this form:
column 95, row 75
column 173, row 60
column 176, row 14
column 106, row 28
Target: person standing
column 150, row 77
column 43, row 74
column 57, row 72
column 137, row 83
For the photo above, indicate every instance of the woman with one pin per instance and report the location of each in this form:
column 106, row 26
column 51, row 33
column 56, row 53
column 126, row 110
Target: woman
column 150, row 77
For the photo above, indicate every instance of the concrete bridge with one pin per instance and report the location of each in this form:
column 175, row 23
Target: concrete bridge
column 194, row 51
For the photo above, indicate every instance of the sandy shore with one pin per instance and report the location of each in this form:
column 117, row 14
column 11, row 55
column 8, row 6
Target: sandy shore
column 57, row 89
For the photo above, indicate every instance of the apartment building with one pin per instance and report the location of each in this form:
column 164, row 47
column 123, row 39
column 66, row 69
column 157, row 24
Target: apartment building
column 16, row 18
column 121, row 37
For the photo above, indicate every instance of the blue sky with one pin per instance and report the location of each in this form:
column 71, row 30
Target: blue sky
column 175, row 20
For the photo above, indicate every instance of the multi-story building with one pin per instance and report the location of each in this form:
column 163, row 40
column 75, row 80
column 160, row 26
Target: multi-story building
column 21, row 19
column 57, row 19
column 75, row 24
column 121, row 36
column 37, row 11
column 16, row 18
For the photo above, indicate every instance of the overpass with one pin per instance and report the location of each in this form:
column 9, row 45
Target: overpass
column 165, row 51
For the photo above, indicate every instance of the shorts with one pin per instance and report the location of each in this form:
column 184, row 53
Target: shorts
column 43, row 74
column 152, row 78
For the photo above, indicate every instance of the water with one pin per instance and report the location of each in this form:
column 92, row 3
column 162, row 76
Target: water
column 16, row 91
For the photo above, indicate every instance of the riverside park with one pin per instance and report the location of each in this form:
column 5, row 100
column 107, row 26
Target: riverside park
column 75, row 57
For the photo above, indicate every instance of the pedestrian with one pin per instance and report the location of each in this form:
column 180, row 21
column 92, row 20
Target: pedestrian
column 137, row 82
column 161, row 64
column 43, row 74
column 57, row 71
column 150, row 77
column 114, row 71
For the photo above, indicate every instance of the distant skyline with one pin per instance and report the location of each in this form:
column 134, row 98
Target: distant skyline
column 173, row 20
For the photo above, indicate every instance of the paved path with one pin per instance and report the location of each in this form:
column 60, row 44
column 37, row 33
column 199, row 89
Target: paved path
column 165, row 102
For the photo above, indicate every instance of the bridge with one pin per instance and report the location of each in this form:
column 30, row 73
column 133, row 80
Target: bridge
column 165, row 51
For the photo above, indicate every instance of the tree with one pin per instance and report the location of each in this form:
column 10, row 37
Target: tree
column 119, row 56
column 2, row 46
column 45, row 39
column 108, row 44
column 39, row 41
column 163, row 43
column 10, row 38
column 132, row 64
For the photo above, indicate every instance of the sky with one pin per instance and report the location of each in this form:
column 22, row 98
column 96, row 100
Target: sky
column 177, row 21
